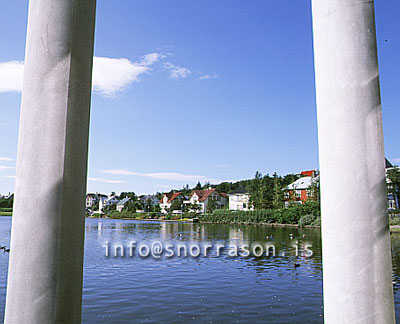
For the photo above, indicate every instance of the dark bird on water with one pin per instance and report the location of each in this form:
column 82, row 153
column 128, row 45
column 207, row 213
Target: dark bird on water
column 4, row 248
column 296, row 265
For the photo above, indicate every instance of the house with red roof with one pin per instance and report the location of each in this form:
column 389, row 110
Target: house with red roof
column 301, row 190
column 203, row 198
column 167, row 200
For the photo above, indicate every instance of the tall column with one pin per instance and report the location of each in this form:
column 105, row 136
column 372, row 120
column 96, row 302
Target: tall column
column 46, row 258
column 355, row 232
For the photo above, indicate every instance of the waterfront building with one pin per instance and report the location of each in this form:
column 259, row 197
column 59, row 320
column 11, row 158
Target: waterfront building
column 240, row 200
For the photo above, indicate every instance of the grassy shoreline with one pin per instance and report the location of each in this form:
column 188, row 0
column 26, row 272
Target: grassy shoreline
column 296, row 215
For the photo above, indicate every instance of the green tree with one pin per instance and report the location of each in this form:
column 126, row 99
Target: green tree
column 255, row 191
column 148, row 205
column 393, row 183
column 278, row 193
column 211, row 206
column 314, row 191
column 6, row 202
column 176, row 205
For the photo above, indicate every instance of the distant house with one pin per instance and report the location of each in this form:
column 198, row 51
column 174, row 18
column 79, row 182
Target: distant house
column 393, row 200
column 102, row 199
column 148, row 201
column 94, row 198
column 240, row 200
column 122, row 204
column 202, row 198
column 91, row 199
column 111, row 199
column 167, row 200
column 300, row 190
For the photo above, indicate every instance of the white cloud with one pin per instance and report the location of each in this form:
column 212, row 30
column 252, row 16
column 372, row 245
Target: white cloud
column 209, row 76
column 3, row 167
column 110, row 75
column 10, row 176
column 105, row 180
column 11, row 74
column 150, row 59
column 177, row 72
column 3, row 158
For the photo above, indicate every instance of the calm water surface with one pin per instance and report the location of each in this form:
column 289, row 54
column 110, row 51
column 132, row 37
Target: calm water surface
column 208, row 289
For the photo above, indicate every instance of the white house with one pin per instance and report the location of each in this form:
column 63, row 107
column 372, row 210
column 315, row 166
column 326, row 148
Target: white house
column 105, row 201
column 393, row 202
column 122, row 203
column 203, row 197
column 92, row 199
column 301, row 190
column 167, row 200
column 240, row 200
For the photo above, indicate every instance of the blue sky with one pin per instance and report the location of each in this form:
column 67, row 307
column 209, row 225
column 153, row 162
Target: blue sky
column 196, row 90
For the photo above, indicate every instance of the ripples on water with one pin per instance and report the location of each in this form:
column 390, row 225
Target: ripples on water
column 199, row 290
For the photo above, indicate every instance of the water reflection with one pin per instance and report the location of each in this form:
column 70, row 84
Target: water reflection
column 208, row 289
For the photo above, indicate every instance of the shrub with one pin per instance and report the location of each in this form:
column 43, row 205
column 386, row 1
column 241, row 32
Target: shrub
column 394, row 220
column 307, row 220
column 290, row 215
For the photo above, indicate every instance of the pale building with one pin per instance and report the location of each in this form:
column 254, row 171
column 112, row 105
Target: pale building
column 240, row 200
column 202, row 198
column 122, row 203
column 167, row 200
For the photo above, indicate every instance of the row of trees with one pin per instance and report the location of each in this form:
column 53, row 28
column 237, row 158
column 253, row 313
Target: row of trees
column 268, row 192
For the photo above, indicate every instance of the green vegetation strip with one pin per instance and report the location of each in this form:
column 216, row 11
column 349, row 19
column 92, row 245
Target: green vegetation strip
column 303, row 215
column 307, row 214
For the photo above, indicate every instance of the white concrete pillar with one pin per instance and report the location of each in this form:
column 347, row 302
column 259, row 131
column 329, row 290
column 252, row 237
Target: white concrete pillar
column 46, row 259
column 355, row 233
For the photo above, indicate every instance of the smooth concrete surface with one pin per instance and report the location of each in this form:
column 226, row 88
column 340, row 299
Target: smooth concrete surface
column 357, row 270
column 46, row 258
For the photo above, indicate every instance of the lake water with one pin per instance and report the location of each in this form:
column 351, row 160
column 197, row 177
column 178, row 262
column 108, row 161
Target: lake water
column 203, row 289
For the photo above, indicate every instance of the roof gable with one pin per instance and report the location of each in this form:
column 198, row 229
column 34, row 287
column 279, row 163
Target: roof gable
column 171, row 196
column 299, row 184
column 203, row 194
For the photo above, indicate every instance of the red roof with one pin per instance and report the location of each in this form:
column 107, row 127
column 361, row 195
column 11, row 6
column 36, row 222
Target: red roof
column 171, row 196
column 204, row 194
column 309, row 173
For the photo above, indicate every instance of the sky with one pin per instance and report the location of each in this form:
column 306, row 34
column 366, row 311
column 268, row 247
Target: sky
column 200, row 90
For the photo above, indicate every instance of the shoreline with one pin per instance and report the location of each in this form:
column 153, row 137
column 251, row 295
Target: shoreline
column 394, row 229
